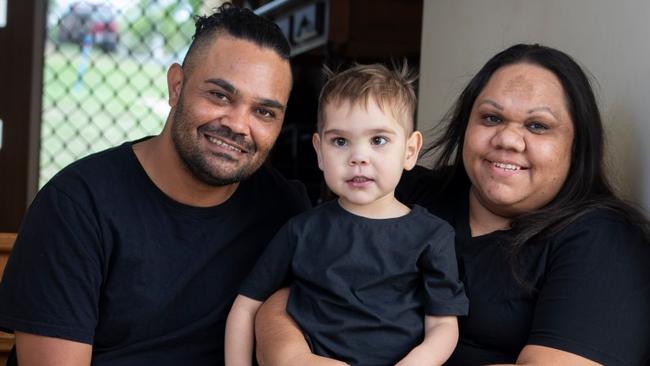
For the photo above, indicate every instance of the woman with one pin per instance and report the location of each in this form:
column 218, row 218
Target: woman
column 556, row 267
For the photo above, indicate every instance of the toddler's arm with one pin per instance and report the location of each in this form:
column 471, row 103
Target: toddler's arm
column 440, row 338
column 240, row 333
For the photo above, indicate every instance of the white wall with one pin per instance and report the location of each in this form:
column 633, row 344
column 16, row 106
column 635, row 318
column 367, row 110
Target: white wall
column 610, row 39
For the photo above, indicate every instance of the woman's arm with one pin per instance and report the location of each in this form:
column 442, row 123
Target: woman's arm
column 533, row 355
column 279, row 340
column 440, row 338
column 593, row 306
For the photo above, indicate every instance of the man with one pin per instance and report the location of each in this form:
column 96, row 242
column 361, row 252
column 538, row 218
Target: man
column 133, row 256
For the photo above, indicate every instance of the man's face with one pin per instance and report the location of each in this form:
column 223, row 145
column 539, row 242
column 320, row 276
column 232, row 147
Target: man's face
column 228, row 110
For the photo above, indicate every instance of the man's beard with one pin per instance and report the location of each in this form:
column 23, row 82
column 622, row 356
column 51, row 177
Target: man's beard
column 198, row 162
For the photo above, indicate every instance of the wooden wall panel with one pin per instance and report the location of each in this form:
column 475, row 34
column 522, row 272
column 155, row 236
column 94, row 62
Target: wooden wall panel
column 21, row 59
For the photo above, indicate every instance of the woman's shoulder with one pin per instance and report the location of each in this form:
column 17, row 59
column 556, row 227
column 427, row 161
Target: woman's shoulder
column 601, row 220
column 603, row 231
column 421, row 181
column 437, row 190
column 597, row 274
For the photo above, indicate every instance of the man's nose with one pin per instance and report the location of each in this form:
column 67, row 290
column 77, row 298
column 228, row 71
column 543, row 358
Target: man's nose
column 237, row 119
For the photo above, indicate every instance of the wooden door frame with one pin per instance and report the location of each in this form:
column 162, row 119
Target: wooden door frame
column 22, row 43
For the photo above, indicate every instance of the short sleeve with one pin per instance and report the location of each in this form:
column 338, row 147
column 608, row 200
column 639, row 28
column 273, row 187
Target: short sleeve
column 273, row 269
column 53, row 277
column 595, row 301
column 443, row 290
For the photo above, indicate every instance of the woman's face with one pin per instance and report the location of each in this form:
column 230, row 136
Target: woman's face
column 517, row 149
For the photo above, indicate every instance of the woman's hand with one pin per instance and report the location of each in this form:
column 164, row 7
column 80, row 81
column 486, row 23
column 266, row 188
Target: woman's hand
column 279, row 340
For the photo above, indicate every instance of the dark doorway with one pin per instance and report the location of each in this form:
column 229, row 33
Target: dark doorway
column 335, row 33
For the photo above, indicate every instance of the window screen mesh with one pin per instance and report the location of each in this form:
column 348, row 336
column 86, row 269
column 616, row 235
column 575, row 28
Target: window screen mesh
column 104, row 79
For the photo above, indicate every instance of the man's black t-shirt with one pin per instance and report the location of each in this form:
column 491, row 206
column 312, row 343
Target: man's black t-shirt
column 361, row 286
column 586, row 291
column 106, row 258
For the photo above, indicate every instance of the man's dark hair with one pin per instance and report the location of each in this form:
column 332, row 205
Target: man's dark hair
column 239, row 23
column 586, row 187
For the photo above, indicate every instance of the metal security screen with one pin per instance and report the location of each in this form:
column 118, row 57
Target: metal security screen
column 104, row 79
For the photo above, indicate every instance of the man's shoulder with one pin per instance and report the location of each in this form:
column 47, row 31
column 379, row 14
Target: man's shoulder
column 96, row 166
column 273, row 188
column 96, row 175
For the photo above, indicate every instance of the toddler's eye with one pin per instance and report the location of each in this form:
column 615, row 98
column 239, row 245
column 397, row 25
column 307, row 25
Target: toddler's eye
column 379, row 140
column 339, row 141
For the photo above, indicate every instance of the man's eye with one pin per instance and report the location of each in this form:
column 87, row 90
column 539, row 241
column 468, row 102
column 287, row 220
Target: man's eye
column 221, row 96
column 339, row 141
column 265, row 113
column 379, row 140
column 537, row 127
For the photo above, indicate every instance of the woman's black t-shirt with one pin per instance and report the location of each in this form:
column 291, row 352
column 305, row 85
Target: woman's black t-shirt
column 586, row 291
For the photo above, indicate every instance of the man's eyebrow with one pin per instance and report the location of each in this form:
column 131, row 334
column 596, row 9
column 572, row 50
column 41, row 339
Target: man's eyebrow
column 224, row 85
column 271, row 103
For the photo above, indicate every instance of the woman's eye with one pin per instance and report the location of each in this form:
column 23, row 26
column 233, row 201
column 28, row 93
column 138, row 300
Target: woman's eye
column 537, row 127
column 379, row 140
column 339, row 141
column 491, row 119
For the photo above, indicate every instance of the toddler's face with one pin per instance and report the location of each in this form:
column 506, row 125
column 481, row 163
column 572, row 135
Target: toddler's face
column 362, row 152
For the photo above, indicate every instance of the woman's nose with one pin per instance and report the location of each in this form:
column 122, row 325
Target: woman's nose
column 509, row 137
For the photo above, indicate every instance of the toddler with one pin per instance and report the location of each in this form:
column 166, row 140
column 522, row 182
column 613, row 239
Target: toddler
column 373, row 281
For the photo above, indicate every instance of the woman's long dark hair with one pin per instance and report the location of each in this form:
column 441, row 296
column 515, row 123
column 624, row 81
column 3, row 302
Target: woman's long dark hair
column 586, row 187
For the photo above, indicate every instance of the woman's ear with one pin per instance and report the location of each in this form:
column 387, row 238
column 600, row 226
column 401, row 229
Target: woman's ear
column 174, row 83
column 413, row 146
column 315, row 140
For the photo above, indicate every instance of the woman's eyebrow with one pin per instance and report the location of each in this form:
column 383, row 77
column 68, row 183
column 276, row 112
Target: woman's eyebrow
column 543, row 109
column 492, row 103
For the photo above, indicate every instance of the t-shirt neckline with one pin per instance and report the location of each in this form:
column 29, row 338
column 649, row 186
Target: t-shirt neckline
column 371, row 221
column 154, row 189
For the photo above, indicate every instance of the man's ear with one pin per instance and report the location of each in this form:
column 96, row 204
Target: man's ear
column 315, row 140
column 174, row 83
column 413, row 146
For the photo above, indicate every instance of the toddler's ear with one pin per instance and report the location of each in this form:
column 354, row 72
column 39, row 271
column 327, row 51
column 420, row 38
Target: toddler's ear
column 413, row 146
column 315, row 140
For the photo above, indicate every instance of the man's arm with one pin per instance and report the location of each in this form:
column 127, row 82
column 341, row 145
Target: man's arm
column 36, row 350
column 279, row 340
column 440, row 338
